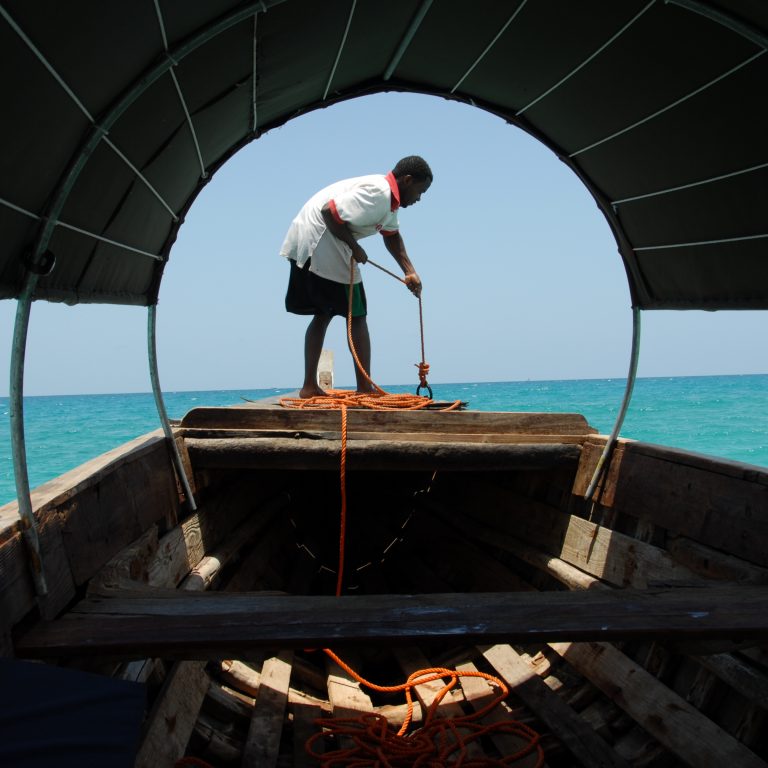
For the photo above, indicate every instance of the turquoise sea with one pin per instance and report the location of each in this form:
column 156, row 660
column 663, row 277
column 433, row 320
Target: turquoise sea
column 724, row 416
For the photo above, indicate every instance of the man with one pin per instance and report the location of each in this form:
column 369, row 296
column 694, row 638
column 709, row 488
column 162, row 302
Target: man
column 322, row 241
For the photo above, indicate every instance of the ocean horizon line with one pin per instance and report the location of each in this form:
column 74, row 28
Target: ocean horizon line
column 283, row 390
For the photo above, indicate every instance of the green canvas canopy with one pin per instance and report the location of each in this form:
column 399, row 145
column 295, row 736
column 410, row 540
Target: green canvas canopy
column 116, row 114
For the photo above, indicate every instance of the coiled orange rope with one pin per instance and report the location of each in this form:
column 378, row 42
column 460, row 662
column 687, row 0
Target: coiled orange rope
column 440, row 742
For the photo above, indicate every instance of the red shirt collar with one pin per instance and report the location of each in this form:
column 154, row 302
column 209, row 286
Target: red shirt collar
column 395, row 191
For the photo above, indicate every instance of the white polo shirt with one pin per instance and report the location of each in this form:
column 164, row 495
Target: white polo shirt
column 366, row 204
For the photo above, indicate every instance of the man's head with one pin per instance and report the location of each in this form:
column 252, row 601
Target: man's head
column 413, row 177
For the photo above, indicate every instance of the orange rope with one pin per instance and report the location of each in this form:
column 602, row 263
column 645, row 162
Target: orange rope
column 378, row 399
column 440, row 742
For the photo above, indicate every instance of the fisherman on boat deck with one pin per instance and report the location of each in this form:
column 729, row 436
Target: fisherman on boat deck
column 322, row 243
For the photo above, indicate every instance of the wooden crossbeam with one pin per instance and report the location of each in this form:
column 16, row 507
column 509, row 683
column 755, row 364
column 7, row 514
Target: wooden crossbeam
column 195, row 626
column 387, row 421
column 290, row 453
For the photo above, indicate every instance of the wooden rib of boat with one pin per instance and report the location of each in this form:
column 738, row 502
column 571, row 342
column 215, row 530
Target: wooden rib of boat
column 631, row 630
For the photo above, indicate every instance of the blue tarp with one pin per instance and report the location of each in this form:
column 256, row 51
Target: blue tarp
column 64, row 718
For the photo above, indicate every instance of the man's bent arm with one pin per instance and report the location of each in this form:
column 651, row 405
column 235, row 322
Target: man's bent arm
column 396, row 247
column 341, row 231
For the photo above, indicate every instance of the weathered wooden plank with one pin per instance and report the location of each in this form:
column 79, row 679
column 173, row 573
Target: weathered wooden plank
column 565, row 724
column 611, row 556
column 17, row 591
column 185, row 463
column 304, row 726
column 263, row 743
column 209, row 567
column 390, row 421
column 411, row 660
column 420, row 437
column 228, row 704
column 173, row 718
column 479, row 692
column 750, row 682
column 616, row 558
column 347, row 697
column 196, row 625
column 131, row 564
column 601, row 552
column 575, row 578
column 289, row 453
column 668, row 717
column 60, row 489
column 182, row 548
column 104, row 519
column 97, row 514
column 592, row 450
column 715, row 502
column 214, row 745
column 641, row 750
column 186, row 673
column 712, row 564
column 240, row 676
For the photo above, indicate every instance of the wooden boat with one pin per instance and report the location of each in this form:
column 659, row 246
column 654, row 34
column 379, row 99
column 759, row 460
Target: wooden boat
column 629, row 629
column 617, row 588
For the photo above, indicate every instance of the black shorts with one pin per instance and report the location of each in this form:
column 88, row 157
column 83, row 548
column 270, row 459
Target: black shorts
column 310, row 294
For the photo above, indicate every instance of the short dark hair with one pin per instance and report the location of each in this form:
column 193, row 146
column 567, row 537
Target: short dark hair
column 415, row 166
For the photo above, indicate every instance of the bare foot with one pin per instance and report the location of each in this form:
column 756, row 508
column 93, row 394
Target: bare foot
column 306, row 392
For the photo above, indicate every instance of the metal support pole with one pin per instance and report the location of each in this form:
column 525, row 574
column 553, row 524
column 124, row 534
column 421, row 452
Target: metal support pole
column 406, row 41
column 18, row 447
column 631, row 376
column 157, row 392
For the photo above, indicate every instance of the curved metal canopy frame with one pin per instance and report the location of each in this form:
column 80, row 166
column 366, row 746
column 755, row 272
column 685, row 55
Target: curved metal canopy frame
column 39, row 259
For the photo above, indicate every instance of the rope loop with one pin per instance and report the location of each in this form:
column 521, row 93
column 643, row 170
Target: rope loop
column 423, row 384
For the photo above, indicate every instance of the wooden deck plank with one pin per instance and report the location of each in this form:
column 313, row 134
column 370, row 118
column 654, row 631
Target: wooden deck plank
column 199, row 625
column 391, row 421
column 570, row 729
column 479, row 692
column 674, row 722
column 173, row 718
column 263, row 743
column 751, row 682
column 411, row 660
column 347, row 697
column 345, row 694
column 304, row 726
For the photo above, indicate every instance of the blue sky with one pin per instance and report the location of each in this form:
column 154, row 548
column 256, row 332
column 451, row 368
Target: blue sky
column 522, row 278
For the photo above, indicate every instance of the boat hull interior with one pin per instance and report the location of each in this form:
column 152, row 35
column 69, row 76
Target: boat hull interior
column 629, row 628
